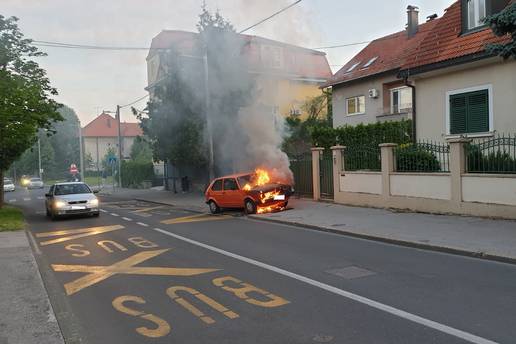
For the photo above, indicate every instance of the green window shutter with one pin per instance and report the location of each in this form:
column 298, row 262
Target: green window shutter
column 478, row 111
column 458, row 114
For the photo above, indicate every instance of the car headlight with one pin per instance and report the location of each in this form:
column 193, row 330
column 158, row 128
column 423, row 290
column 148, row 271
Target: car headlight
column 94, row 202
column 59, row 204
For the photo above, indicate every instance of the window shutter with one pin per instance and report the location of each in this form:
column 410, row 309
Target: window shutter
column 458, row 114
column 478, row 112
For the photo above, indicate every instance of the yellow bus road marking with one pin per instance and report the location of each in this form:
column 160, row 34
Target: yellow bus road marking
column 97, row 274
column 143, row 210
column 77, row 233
column 195, row 218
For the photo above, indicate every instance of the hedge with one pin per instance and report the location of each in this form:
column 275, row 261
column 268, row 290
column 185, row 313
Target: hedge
column 363, row 134
column 134, row 173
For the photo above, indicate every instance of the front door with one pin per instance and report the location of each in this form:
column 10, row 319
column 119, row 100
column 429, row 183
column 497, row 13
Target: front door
column 232, row 194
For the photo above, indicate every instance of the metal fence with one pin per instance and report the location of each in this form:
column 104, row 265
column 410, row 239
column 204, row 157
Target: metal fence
column 362, row 158
column 492, row 155
column 423, row 156
column 301, row 167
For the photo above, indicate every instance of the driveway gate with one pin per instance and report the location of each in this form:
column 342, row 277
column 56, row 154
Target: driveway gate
column 301, row 167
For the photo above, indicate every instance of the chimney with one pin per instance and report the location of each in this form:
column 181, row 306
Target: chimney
column 413, row 20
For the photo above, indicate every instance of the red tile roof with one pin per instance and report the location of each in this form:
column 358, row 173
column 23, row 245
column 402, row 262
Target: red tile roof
column 106, row 126
column 446, row 42
column 298, row 61
column 391, row 50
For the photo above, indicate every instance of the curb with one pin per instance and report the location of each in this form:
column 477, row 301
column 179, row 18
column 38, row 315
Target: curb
column 428, row 247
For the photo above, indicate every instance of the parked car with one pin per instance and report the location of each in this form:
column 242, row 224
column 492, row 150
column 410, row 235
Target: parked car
column 35, row 183
column 234, row 192
column 8, row 185
column 71, row 199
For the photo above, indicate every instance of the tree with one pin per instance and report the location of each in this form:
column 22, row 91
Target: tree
column 25, row 105
column 141, row 150
column 503, row 23
column 65, row 141
column 106, row 166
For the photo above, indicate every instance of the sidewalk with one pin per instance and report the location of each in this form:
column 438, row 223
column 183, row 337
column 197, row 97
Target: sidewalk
column 486, row 238
column 26, row 316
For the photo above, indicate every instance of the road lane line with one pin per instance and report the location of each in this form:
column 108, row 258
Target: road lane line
column 11, row 200
column 26, row 199
column 355, row 297
column 113, row 214
column 102, row 210
column 126, row 218
column 195, row 218
column 142, row 224
column 41, row 197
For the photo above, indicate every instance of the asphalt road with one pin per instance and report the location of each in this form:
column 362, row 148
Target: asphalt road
column 144, row 273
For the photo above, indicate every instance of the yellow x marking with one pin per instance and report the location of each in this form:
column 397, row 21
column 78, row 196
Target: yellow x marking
column 97, row 274
column 76, row 233
column 143, row 210
column 195, row 218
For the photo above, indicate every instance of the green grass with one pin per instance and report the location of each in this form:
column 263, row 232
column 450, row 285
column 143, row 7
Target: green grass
column 92, row 181
column 11, row 219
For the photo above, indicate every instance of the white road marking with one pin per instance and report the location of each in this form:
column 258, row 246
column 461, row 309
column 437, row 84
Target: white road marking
column 41, row 197
column 26, row 199
column 113, row 214
column 142, row 224
column 11, row 200
column 371, row 303
column 126, row 218
column 102, row 210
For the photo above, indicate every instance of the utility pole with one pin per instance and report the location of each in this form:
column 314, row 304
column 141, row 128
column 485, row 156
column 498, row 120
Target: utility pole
column 81, row 157
column 211, row 169
column 119, row 147
column 39, row 157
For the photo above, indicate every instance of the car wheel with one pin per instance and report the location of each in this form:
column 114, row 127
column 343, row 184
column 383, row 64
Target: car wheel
column 48, row 212
column 53, row 216
column 96, row 214
column 250, row 207
column 214, row 208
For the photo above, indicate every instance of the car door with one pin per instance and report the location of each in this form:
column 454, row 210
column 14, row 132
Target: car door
column 48, row 196
column 232, row 193
column 216, row 192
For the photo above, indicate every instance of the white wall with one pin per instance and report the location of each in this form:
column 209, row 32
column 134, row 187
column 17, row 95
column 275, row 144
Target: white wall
column 431, row 95
column 373, row 107
column 420, row 185
column 370, row 183
column 489, row 189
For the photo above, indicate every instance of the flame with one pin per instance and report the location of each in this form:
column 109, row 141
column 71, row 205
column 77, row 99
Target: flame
column 247, row 187
column 262, row 177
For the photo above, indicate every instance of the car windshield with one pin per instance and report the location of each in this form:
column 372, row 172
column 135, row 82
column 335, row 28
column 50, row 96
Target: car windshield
column 35, row 180
column 7, row 181
column 70, row 189
column 244, row 180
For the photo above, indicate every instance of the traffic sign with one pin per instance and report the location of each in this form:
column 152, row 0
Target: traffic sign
column 112, row 159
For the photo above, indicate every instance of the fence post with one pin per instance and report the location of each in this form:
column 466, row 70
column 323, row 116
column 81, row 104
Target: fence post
column 387, row 155
column 457, row 167
column 338, row 166
column 316, row 171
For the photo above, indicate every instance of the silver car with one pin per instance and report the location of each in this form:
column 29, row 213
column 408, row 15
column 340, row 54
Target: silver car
column 35, row 183
column 71, row 199
column 8, row 185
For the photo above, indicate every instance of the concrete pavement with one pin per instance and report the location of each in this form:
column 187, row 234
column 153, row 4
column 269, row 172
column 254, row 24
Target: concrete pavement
column 26, row 316
column 484, row 238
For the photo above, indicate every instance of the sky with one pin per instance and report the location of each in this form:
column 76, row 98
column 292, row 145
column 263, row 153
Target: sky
column 90, row 81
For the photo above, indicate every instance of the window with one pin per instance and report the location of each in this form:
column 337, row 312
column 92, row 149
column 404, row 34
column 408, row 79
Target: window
column 370, row 62
column 71, row 189
column 230, row 184
column 217, row 185
column 470, row 111
column 401, row 100
column 353, row 67
column 355, row 105
column 476, row 12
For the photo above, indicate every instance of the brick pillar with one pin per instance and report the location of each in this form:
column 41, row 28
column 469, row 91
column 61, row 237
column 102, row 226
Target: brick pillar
column 338, row 166
column 457, row 167
column 387, row 154
column 316, row 171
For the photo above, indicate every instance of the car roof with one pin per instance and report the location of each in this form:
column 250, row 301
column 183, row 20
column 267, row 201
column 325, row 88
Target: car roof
column 70, row 183
column 237, row 175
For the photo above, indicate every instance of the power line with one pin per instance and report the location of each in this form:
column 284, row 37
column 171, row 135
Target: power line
column 271, row 16
column 134, row 102
column 341, row 45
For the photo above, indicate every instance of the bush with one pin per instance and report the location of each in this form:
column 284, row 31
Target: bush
column 494, row 162
column 134, row 173
column 411, row 158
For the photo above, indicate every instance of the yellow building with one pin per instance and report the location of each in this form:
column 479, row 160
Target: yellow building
column 287, row 75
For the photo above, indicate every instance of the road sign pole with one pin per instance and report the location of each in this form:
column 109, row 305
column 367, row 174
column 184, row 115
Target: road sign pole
column 119, row 147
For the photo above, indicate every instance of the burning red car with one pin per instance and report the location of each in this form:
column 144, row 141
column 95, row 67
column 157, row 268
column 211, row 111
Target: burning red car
column 254, row 192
